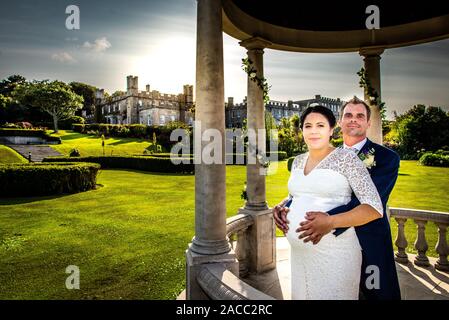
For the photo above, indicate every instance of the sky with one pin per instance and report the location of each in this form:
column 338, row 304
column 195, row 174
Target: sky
column 156, row 41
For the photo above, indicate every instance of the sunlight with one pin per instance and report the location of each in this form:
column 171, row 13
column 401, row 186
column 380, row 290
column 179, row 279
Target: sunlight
column 167, row 66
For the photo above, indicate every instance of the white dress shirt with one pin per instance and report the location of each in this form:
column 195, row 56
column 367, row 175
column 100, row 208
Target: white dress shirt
column 358, row 146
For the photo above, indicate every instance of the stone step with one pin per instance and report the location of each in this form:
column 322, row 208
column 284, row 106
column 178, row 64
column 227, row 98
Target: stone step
column 38, row 152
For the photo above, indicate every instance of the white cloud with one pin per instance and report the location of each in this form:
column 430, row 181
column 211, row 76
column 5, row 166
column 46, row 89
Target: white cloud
column 100, row 45
column 63, row 57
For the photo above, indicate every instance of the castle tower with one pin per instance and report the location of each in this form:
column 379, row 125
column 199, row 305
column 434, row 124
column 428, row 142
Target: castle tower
column 132, row 88
column 132, row 85
column 188, row 93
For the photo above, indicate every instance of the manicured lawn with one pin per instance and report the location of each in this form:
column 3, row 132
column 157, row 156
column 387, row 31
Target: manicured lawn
column 8, row 155
column 420, row 187
column 128, row 237
column 90, row 145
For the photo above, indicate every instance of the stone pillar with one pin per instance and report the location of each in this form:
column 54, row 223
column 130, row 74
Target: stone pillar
column 371, row 58
column 261, row 236
column 210, row 244
column 255, row 181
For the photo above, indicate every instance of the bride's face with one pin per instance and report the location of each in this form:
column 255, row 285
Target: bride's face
column 316, row 131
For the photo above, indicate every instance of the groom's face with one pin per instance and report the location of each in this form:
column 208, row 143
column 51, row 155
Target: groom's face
column 354, row 120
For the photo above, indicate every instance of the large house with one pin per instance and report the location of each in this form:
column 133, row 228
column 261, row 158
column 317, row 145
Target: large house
column 236, row 113
column 146, row 107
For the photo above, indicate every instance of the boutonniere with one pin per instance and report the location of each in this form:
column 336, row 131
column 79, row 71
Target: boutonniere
column 367, row 157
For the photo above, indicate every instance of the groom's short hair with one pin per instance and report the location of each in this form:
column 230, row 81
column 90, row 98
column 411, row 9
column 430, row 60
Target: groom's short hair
column 356, row 100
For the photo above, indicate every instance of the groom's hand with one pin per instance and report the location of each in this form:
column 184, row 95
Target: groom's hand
column 317, row 225
column 280, row 217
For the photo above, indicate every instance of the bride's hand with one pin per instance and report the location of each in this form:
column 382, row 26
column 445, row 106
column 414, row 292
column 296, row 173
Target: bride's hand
column 315, row 227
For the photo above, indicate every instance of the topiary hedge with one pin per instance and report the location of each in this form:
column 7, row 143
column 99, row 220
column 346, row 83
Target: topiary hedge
column 38, row 179
column 144, row 163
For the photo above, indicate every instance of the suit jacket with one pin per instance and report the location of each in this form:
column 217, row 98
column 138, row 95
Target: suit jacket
column 375, row 236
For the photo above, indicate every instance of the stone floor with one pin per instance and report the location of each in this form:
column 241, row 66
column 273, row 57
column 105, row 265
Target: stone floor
column 417, row 283
column 38, row 152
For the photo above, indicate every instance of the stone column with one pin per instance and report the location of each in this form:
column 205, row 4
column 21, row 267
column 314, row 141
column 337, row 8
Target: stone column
column 371, row 58
column 255, row 181
column 210, row 244
column 261, row 236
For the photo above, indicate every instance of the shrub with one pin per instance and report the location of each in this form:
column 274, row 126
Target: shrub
column 442, row 152
column 289, row 163
column 66, row 124
column 282, row 155
column 24, row 125
column 38, row 179
column 434, row 160
column 78, row 128
column 74, row 153
column 138, row 130
column 123, row 132
column 144, row 163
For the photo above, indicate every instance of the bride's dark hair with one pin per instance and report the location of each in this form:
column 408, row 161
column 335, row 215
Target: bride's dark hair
column 327, row 113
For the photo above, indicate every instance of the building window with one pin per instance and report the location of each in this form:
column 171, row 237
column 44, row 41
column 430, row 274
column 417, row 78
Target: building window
column 162, row 119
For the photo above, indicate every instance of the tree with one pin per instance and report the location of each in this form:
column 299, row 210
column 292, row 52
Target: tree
column 420, row 129
column 295, row 125
column 3, row 102
column 88, row 93
column 8, row 85
column 55, row 98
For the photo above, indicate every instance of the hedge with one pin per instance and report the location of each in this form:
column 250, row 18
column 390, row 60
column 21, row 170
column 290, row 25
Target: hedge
column 434, row 160
column 231, row 158
column 5, row 132
column 143, row 163
column 290, row 162
column 38, row 179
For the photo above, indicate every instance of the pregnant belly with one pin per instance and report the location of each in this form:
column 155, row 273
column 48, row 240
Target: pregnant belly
column 302, row 204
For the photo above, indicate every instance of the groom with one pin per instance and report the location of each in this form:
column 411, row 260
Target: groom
column 379, row 279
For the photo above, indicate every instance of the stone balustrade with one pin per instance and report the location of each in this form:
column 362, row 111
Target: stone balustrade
column 420, row 218
column 218, row 283
column 236, row 231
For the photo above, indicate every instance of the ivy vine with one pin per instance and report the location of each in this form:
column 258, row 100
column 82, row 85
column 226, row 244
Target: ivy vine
column 262, row 83
column 373, row 95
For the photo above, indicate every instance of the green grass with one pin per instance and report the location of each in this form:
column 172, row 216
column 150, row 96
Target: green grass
column 129, row 236
column 8, row 155
column 420, row 187
column 90, row 145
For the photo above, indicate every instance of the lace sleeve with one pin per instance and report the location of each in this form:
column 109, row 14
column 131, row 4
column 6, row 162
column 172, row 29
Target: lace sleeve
column 298, row 162
column 361, row 182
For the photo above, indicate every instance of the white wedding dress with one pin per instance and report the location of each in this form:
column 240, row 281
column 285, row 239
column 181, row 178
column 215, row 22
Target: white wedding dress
column 331, row 269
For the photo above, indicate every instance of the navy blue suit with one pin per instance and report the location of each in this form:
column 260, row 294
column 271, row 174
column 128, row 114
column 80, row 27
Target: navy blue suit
column 375, row 237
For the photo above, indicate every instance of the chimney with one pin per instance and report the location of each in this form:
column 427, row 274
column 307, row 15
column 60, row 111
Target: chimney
column 230, row 101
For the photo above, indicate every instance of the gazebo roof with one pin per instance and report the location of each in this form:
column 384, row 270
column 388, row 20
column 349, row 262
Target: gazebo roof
column 315, row 26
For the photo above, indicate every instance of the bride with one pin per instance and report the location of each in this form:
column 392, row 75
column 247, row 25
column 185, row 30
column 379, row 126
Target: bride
column 320, row 180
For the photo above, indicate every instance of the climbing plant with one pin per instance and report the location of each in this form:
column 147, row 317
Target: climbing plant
column 262, row 83
column 373, row 95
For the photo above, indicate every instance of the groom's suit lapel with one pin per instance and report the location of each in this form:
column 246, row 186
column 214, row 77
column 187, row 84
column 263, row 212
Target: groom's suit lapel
column 365, row 147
